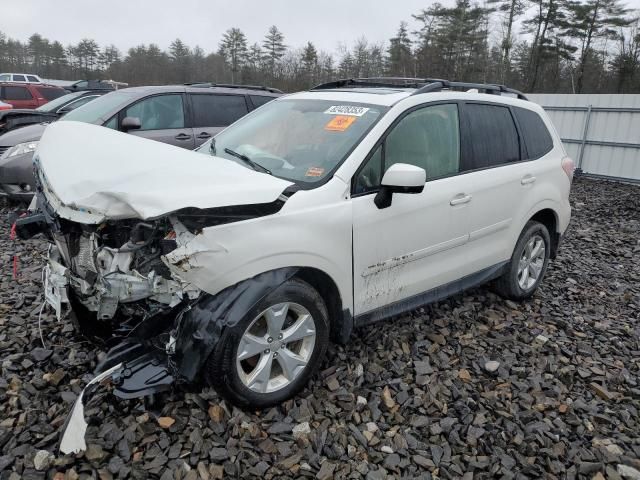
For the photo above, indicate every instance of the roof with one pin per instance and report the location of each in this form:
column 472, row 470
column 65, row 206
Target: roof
column 32, row 84
column 375, row 96
column 197, row 89
column 388, row 97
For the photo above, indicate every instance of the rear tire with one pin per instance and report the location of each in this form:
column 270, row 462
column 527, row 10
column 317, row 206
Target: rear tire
column 237, row 367
column 528, row 263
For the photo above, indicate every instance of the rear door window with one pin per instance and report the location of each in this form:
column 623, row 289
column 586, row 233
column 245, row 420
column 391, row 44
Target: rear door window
column 17, row 93
column 534, row 132
column 19, row 78
column 33, row 79
column 259, row 100
column 160, row 112
column 492, row 137
column 78, row 103
column 51, row 93
column 217, row 110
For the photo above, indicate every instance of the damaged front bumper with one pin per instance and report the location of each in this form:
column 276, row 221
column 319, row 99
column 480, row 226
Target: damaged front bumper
column 113, row 283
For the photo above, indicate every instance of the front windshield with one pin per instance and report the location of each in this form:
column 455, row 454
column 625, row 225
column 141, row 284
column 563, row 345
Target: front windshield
column 299, row 140
column 101, row 109
column 53, row 105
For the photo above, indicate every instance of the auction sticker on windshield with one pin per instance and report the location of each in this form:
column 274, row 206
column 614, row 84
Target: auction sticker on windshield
column 314, row 172
column 347, row 110
column 339, row 123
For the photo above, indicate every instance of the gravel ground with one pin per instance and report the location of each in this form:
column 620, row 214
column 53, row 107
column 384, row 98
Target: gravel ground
column 473, row 387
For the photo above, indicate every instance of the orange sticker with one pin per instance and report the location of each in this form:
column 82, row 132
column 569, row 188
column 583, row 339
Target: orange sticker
column 340, row 123
column 314, row 172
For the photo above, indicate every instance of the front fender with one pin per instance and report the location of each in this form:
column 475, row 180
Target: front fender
column 200, row 327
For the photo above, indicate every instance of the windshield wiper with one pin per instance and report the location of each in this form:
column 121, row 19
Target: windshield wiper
column 256, row 166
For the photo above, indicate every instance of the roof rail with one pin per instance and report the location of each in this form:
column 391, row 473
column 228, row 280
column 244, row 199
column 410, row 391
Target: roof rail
column 422, row 85
column 391, row 82
column 229, row 85
column 490, row 88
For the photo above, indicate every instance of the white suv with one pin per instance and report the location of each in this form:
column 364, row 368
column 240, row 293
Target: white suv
column 316, row 213
column 20, row 77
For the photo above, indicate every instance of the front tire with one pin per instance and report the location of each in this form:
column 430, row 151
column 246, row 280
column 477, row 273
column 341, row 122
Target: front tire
column 528, row 263
column 270, row 355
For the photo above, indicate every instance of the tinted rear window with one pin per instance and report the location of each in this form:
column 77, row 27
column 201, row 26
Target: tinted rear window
column 19, row 78
column 534, row 133
column 493, row 138
column 31, row 78
column 17, row 93
column 259, row 100
column 217, row 110
column 51, row 93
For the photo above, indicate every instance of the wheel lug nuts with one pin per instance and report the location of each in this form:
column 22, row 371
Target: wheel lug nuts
column 275, row 354
column 267, row 351
column 269, row 339
column 280, row 337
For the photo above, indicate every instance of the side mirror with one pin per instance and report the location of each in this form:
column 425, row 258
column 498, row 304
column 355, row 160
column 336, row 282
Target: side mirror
column 400, row 178
column 130, row 123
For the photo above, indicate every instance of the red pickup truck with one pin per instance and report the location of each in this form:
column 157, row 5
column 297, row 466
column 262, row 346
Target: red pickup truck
column 29, row 95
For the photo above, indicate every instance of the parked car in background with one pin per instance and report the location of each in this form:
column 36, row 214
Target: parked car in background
column 182, row 115
column 48, row 112
column 5, row 106
column 107, row 85
column 29, row 95
column 20, row 77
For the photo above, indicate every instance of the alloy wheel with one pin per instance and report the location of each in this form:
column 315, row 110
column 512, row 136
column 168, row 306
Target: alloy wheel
column 531, row 262
column 276, row 347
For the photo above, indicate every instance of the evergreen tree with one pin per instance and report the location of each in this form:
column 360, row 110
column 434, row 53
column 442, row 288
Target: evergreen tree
column 310, row 63
column 400, row 60
column 590, row 22
column 274, row 47
column 233, row 49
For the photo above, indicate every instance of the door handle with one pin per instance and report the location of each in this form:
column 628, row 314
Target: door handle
column 527, row 179
column 182, row 136
column 203, row 135
column 460, row 199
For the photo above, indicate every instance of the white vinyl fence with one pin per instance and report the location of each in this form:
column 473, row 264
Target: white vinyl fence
column 600, row 132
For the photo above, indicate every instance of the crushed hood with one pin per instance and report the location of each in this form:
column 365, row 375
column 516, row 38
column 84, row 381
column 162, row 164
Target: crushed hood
column 91, row 173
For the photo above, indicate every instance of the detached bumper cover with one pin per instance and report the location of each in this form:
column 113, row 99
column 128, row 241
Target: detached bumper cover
column 73, row 437
column 142, row 375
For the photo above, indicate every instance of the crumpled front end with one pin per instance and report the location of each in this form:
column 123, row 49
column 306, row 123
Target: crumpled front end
column 124, row 248
column 114, row 268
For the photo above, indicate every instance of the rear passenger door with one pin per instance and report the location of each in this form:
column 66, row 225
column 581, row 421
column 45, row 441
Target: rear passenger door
column 491, row 157
column 162, row 118
column 18, row 96
column 211, row 113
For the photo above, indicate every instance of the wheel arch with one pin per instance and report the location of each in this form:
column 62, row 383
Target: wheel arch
column 340, row 318
column 549, row 218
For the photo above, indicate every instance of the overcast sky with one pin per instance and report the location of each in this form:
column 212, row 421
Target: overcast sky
column 127, row 23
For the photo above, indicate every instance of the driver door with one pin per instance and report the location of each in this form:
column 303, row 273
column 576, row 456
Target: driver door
column 162, row 118
column 417, row 243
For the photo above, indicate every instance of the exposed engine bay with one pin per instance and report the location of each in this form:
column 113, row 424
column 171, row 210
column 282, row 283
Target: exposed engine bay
column 119, row 264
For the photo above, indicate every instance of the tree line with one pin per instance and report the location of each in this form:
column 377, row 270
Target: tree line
column 580, row 46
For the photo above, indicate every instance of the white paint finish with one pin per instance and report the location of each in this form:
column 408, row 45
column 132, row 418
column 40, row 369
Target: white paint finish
column 404, row 175
column 414, row 245
column 73, row 436
column 313, row 229
column 455, row 227
column 109, row 174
